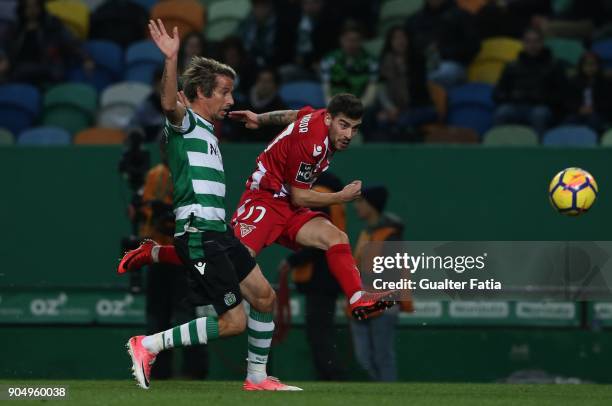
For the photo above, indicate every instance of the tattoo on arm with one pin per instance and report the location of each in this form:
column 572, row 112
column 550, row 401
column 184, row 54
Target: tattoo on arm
column 280, row 117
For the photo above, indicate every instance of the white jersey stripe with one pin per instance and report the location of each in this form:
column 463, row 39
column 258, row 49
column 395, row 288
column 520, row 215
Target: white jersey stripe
column 208, row 187
column 204, row 160
column 206, row 213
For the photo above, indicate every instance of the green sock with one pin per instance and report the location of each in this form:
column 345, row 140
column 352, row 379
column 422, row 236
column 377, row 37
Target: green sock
column 198, row 331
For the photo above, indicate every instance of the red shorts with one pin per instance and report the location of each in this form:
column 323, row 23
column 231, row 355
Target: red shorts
column 262, row 220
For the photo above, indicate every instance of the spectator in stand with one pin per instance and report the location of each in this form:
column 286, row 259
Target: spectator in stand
column 262, row 97
column 232, row 53
column 531, row 88
column 403, row 93
column 120, row 21
column 589, row 98
column 449, row 38
column 310, row 36
column 262, row 33
column 42, row 47
column 192, row 45
column 149, row 116
column 350, row 69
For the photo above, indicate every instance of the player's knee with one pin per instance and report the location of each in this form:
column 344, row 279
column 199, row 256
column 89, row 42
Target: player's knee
column 335, row 236
column 265, row 303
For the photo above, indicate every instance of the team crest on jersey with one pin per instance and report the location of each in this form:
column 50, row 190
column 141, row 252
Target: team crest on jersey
column 229, row 299
column 245, row 229
column 305, row 173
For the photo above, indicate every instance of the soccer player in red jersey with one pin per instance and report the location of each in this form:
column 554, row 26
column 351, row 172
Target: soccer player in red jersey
column 275, row 206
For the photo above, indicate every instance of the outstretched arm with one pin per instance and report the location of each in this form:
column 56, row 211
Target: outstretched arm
column 311, row 198
column 169, row 46
column 254, row 121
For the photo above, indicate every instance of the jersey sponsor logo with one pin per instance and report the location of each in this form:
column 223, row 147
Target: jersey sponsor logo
column 229, row 299
column 245, row 229
column 317, row 150
column 201, row 267
column 212, row 150
column 305, row 173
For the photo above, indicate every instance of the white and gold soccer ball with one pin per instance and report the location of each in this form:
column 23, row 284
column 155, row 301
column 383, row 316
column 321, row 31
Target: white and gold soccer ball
column 573, row 191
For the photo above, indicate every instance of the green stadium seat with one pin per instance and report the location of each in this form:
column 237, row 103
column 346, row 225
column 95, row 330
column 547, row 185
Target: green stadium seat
column 6, row 137
column 511, row 135
column 228, row 9
column 606, row 138
column 71, row 106
column 218, row 30
column 566, row 50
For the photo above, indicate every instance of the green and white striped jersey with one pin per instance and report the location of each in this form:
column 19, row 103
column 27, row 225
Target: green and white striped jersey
column 197, row 174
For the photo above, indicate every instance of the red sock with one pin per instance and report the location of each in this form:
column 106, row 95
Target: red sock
column 167, row 255
column 342, row 265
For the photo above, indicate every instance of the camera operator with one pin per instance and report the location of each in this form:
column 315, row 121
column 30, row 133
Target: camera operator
column 166, row 285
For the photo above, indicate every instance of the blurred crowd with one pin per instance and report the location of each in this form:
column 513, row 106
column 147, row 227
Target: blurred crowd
column 405, row 66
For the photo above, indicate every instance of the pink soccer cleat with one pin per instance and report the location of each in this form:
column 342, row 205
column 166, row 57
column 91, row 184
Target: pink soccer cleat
column 137, row 258
column 142, row 360
column 270, row 383
column 372, row 304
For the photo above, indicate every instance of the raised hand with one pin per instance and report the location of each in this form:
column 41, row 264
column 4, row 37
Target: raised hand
column 245, row 116
column 168, row 45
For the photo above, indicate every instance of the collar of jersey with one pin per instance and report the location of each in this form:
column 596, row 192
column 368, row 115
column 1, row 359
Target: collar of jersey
column 202, row 122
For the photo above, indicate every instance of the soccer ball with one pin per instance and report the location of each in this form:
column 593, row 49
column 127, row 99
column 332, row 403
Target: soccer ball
column 572, row 191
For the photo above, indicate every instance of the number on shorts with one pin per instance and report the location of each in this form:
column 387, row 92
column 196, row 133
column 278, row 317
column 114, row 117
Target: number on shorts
column 262, row 213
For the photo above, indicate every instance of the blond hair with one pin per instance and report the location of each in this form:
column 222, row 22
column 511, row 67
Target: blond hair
column 201, row 73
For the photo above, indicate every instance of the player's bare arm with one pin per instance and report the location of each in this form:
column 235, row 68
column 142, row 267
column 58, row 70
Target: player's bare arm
column 169, row 46
column 311, row 198
column 254, row 121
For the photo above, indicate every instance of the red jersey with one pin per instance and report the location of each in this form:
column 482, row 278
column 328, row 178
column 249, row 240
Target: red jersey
column 295, row 158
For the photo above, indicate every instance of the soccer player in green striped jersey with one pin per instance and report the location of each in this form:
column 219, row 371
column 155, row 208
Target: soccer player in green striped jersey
column 221, row 271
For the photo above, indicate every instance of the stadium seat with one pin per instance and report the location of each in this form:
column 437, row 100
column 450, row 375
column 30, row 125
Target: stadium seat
column 499, row 49
column 606, row 139
column 493, row 56
column 108, row 57
column 512, row 135
column 141, row 60
column 186, row 15
column 439, row 97
column 395, row 12
column 603, row 48
column 452, row 135
column 118, row 103
column 220, row 29
column 74, row 14
column 566, row 50
column 19, row 106
column 299, row 94
column 70, row 106
column 46, row 135
column 100, row 136
column 570, row 136
column 228, row 10
column 471, row 106
column 6, row 137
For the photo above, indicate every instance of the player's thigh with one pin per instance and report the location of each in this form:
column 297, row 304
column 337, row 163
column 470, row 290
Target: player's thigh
column 258, row 223
column 320, row 233
column 256, row 290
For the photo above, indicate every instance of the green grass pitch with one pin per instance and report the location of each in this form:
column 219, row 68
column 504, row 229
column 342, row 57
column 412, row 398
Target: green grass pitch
column 176, row 393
